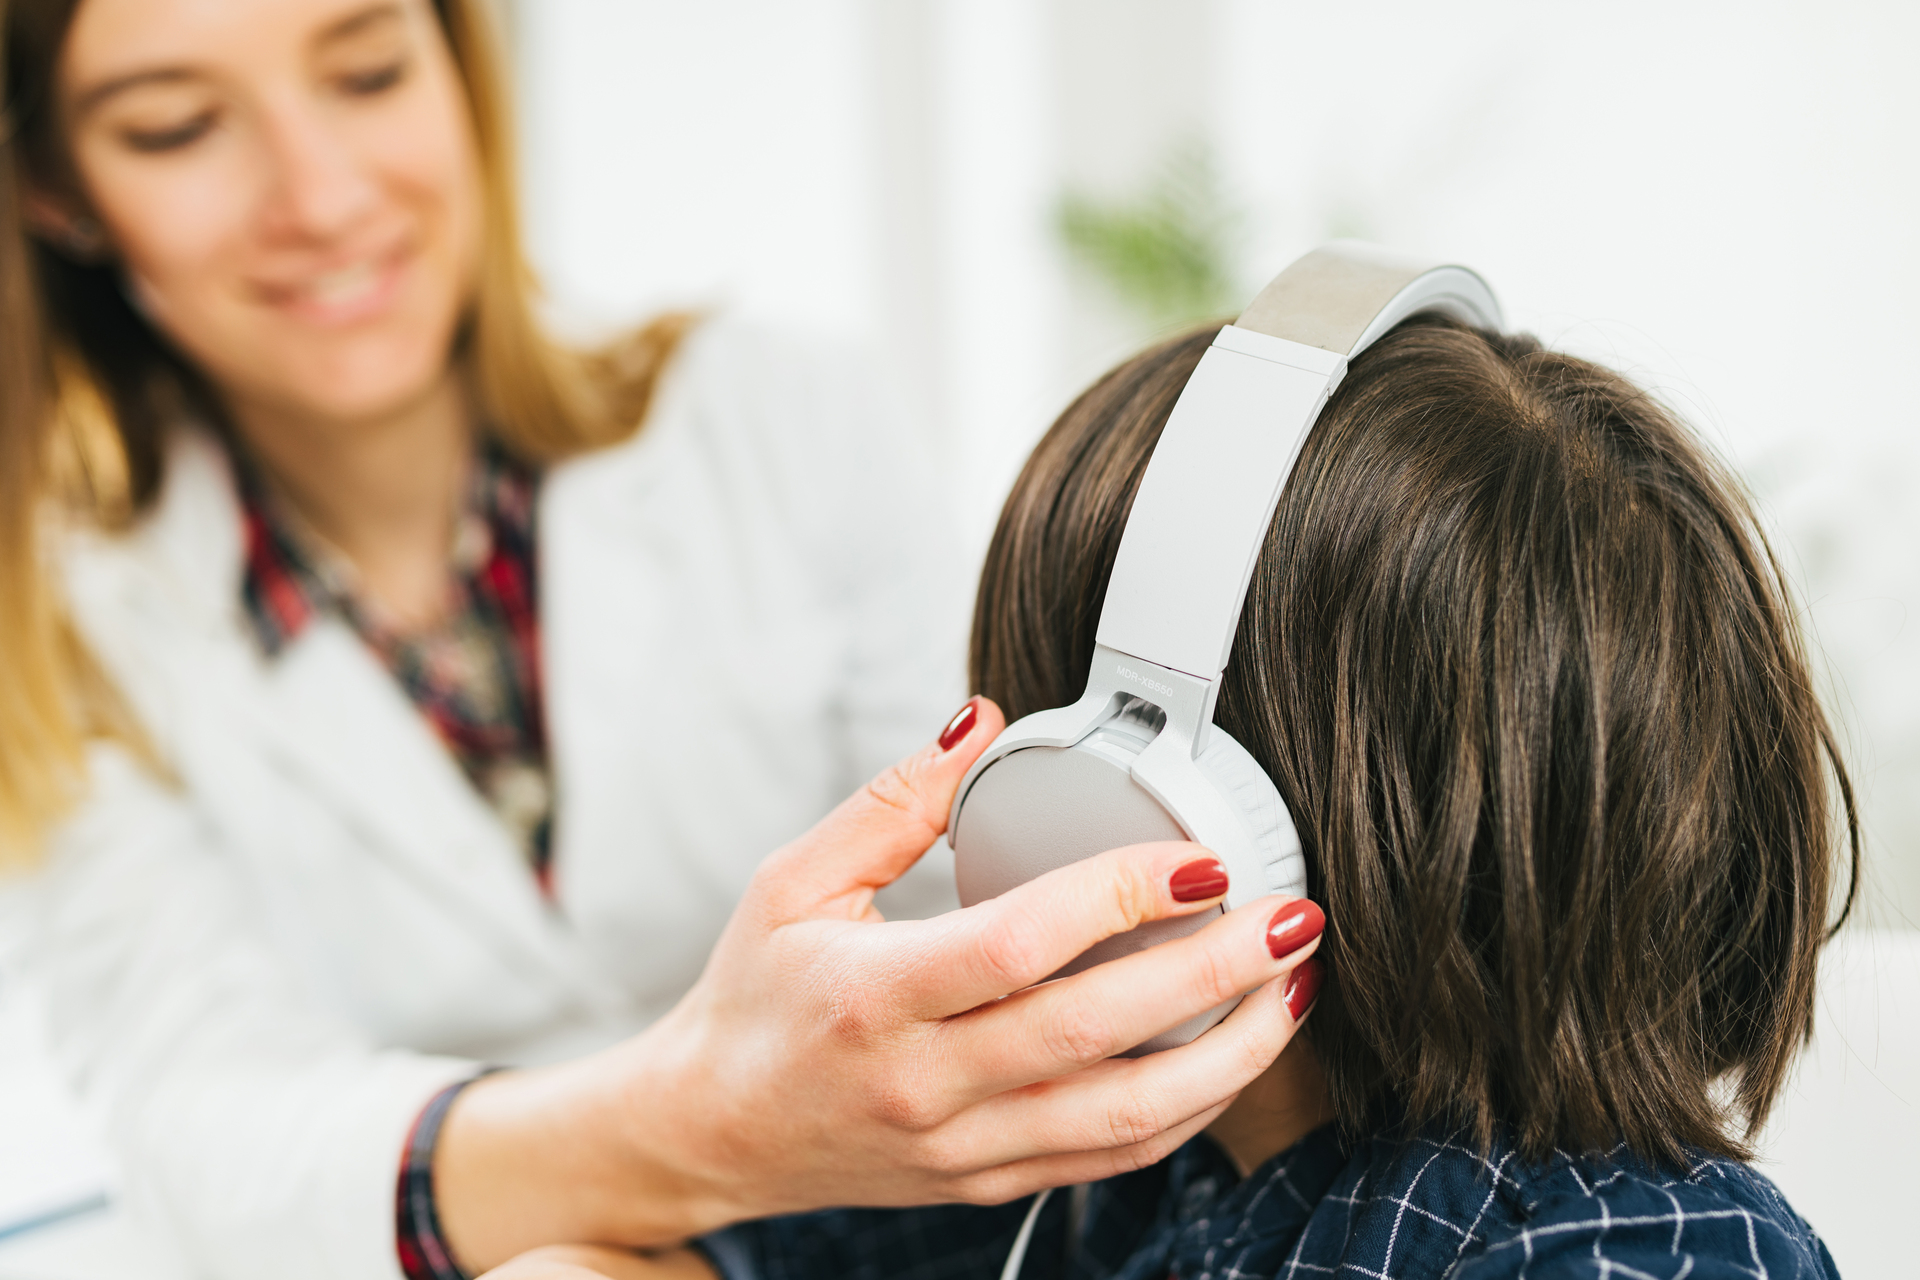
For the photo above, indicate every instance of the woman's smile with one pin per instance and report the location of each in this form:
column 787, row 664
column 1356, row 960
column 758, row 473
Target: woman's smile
column 360, row 290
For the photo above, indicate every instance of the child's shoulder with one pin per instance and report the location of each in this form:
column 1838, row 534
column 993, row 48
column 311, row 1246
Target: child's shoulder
column 1613, row 1211
column 1436, row 1207
column 1425, row 1208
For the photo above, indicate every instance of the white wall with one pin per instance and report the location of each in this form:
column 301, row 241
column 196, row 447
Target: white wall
column 700, row 153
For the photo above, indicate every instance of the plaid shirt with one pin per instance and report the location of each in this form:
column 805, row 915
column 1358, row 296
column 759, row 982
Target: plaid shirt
column 474, row 674
column 1426, row 1209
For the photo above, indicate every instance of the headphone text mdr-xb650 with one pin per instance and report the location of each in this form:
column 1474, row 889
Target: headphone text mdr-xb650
column 1138, row 756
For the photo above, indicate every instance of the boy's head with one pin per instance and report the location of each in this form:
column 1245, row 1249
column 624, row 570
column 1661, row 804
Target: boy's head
column 1524, row 671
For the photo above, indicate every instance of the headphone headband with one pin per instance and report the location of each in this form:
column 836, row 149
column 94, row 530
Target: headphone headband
column 1215, row 477
column 1062, row 784
column 1202, row 514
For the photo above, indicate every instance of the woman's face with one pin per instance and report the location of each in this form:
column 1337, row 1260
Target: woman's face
column 291, row 185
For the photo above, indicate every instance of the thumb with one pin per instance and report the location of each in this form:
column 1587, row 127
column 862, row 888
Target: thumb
column 874, row 835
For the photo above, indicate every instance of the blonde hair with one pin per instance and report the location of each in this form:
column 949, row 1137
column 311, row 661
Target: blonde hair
column 88, row 389
column 39, row 737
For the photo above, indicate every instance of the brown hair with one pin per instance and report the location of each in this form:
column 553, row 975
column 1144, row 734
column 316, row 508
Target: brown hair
column 91, row 388
column 1523, row 668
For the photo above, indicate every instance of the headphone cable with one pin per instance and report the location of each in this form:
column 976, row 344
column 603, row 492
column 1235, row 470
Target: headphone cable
column 1019, row 1254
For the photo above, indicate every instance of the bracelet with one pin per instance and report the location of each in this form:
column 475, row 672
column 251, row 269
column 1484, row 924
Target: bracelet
column 423, row 1251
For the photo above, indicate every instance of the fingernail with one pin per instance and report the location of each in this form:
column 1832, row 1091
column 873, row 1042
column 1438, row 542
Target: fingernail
column 958, row 727
column 1303, row 985
column 1198, row 880
column 1293, row 927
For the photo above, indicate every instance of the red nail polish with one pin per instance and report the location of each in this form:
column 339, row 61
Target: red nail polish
column 1303, row 987
column 1198, row 880
column 958, row 727
column 1293, row 927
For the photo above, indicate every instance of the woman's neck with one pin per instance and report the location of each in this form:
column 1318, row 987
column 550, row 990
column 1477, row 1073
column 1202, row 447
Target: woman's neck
column 1283, row 1105
column 384, row 491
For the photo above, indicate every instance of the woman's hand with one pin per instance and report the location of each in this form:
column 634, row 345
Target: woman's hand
column 826, row 1057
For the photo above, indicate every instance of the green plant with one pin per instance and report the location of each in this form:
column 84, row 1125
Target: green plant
column 1169, row 255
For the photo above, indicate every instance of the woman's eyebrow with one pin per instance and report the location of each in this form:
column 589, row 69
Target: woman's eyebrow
column 353, row 24
column 359, row 22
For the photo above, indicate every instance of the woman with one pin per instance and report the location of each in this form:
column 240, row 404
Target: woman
column 1519, row 661
column 451, row 685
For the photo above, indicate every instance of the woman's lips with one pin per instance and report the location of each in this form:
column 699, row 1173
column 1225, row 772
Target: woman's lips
column 349, row 294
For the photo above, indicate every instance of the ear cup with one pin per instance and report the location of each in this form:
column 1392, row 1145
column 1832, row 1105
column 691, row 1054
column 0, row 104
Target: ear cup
column 1045, row 807
column 1039, row 808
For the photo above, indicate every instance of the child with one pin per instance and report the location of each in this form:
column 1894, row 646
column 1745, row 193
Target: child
column 1523, row 669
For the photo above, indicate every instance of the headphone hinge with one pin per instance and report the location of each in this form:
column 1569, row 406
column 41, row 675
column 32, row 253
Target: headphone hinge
column 1186, row 699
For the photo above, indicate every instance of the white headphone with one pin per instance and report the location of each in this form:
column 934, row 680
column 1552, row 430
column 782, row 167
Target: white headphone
column 1138, row 757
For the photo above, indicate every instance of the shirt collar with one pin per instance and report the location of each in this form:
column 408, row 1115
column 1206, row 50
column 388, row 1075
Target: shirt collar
column 293, row 575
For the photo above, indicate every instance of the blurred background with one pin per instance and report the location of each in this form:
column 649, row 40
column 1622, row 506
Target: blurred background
column 1003, row 197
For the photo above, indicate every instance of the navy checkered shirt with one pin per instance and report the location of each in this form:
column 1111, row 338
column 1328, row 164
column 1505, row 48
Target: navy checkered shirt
column 1382, row 1209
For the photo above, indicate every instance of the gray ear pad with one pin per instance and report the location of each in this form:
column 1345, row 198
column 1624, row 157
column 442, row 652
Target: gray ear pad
column 1238, row 777
column 1044, row 807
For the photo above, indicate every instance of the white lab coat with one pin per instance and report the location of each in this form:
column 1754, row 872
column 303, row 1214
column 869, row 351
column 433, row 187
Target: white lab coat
column 260, row 973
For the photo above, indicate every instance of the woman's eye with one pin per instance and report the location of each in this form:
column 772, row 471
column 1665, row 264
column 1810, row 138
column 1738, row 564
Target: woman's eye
column 374, row 80
column 168, row 139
